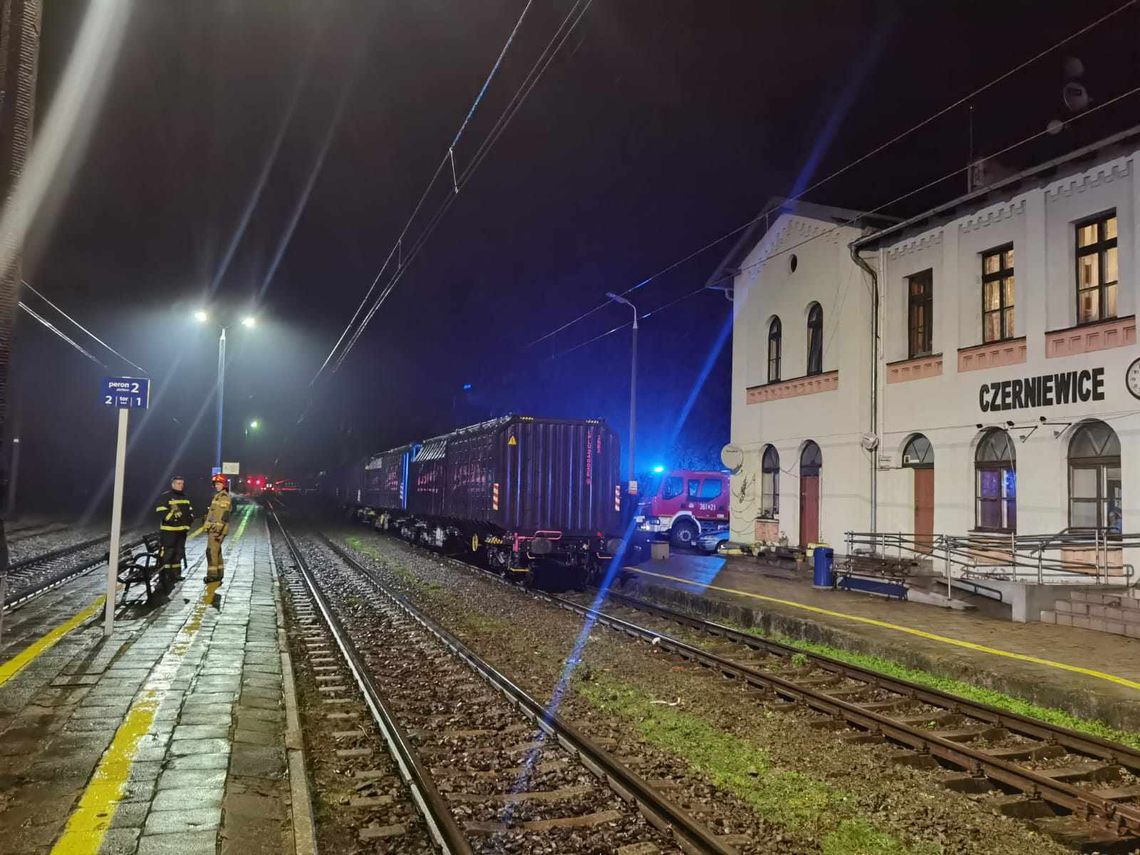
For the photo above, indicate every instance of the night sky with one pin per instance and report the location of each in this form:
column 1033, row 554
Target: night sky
column 659, row 126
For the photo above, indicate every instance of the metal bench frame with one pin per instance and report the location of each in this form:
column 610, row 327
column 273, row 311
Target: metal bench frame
column 140, row 567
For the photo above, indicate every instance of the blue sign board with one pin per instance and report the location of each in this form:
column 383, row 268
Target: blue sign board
column 126, row 393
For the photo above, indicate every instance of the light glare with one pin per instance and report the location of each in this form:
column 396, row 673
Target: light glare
column 249, row 321
column 201, row 317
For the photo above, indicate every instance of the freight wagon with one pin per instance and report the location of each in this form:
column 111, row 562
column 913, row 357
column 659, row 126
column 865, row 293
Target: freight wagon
column 509, row 492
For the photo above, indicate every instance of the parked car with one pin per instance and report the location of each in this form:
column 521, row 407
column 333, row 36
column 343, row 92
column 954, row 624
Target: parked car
column 713, row 542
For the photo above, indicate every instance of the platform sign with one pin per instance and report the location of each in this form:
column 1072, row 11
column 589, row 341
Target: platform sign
column 231, row 468
column 126, row 393
column 123, row 394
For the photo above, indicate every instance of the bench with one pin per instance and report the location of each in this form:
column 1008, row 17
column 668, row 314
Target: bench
column 140, row 568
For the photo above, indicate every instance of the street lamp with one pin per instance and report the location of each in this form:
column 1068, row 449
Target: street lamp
column 617, row 298
column 249, row 321
column 254, row 425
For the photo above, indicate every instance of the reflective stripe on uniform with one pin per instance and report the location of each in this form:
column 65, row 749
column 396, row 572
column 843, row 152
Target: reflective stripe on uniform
column 174, row 528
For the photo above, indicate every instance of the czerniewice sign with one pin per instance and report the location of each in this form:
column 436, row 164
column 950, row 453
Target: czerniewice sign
column 1045, row 390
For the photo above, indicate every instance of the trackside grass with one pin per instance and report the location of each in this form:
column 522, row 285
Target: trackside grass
column 891, row 668
column 793, row 801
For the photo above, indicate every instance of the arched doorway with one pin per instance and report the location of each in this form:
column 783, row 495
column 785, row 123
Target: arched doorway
column 811, row 461
column 1095, row 484
column 918, row 456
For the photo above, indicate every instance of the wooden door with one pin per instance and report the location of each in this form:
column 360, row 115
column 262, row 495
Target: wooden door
column 924, row 508
column 809, row 509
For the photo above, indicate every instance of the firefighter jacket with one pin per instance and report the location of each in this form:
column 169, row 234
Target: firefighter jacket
column 174, row 511
column 218, row 517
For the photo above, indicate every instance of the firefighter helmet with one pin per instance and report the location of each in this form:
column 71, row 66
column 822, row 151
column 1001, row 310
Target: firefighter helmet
column 220, row 479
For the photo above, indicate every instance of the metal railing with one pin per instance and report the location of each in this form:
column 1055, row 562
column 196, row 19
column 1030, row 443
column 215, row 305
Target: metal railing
column 1072, row 556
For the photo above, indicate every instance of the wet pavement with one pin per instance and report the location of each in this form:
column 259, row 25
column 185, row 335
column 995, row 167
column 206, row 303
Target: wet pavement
column 169, row 736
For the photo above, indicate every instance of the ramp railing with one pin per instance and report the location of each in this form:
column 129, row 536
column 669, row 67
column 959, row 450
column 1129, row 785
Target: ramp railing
column 1072, row 556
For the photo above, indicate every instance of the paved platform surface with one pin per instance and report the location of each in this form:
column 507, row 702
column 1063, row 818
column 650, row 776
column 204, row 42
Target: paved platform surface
column 1091, row 674
column 169, row 737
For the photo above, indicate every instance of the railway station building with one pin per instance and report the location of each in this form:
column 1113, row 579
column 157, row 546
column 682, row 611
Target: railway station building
column 967, row 376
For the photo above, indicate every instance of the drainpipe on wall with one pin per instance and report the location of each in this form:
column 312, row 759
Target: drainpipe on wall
column 858, row 259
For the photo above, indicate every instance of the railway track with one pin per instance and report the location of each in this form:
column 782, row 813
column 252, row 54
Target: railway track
column 33, row 576
column 36, row 530
column 1080, row 789
column 489, row 767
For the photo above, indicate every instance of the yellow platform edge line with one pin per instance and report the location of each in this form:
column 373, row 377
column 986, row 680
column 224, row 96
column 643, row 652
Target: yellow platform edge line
column 30, row 653
column 92, row 817
column 944, row 639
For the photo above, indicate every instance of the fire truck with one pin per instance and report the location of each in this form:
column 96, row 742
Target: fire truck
column 685, row 504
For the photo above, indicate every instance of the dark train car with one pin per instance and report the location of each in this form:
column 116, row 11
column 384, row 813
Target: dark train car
column 515, row 489
column 386, row 479
column 343, row 485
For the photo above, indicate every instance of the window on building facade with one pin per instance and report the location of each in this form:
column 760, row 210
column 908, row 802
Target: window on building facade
column 995, row 466
column 918, row 452
column 997, row 294
column 774, row 342
column 1097, row 269
column 815, row 339
column 770, row 483
column 920, row 314
column 1094, row 478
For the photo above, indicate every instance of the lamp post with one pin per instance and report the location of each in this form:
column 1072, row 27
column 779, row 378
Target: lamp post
column 617, row 298
column 249, row 321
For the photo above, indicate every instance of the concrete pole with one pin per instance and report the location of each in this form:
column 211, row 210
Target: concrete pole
column 116, row 523
column 221, row 392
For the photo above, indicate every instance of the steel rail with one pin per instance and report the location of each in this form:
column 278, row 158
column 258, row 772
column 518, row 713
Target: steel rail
column 1073, row 740
column 1119, row 819
column 60, row 577
column 445, row 831
column 659, row 811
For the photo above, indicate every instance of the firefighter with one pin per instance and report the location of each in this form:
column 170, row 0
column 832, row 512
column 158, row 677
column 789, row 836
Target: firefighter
column 217, row 527
column 175, row 514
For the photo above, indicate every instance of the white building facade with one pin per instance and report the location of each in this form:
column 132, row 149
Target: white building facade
column 971, row 372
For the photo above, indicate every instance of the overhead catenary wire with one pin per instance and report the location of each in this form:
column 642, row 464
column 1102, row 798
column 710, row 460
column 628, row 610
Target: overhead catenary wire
column 448, row 156
column 846, row 168
column 56, row 331
column 561, row 35
column 845, row 223
column 80, row 326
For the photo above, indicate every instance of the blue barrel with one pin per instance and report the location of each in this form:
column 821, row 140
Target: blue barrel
column 824, row 560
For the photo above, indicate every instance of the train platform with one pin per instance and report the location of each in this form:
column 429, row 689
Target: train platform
column 1092, row 675
column 178, row 734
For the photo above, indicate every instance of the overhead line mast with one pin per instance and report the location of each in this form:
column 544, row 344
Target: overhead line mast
column 20, row 22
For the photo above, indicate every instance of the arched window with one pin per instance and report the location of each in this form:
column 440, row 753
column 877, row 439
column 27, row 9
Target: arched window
column 774, row 341
column 770, row 483
column 815, row 339
column 995, row 466
column 1094, row 477
column 918, row 453
column 811, row 459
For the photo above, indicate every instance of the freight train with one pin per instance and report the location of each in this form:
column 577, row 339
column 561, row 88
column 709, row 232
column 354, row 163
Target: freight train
column 512, row 493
